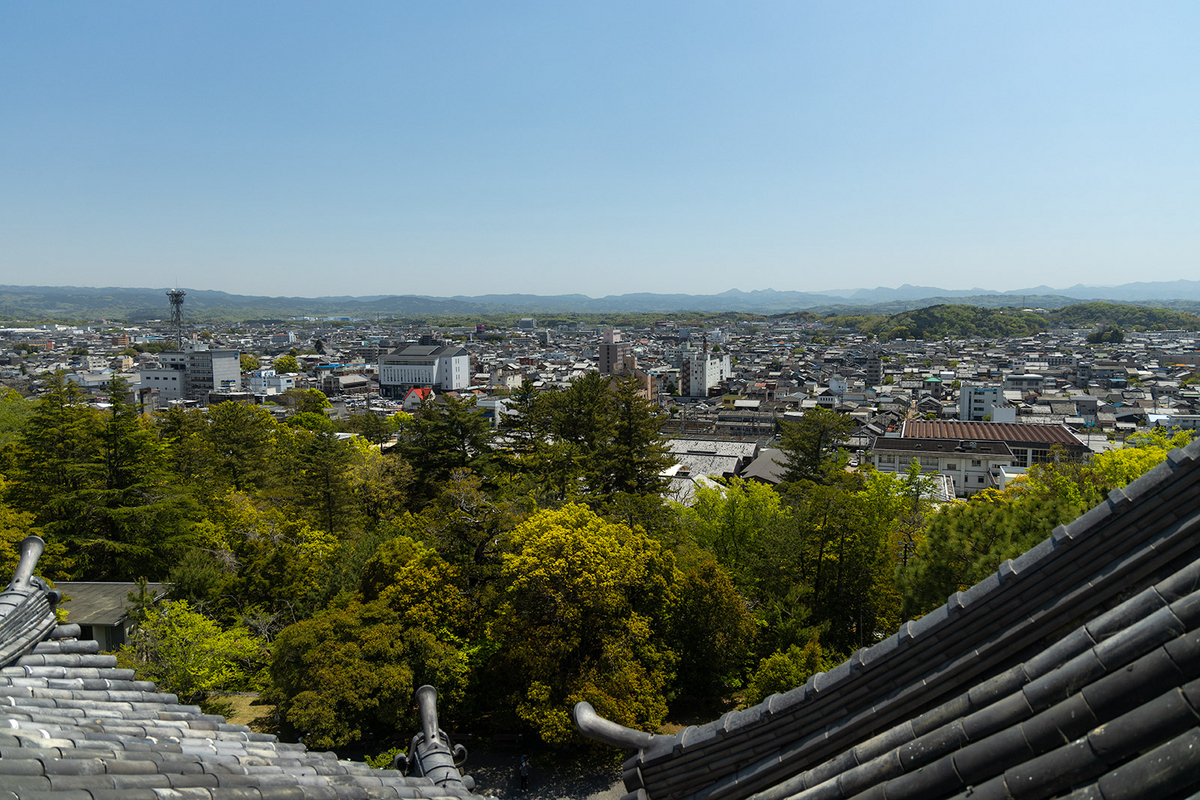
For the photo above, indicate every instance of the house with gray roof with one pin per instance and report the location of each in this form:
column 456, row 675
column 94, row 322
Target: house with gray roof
column 101, row 608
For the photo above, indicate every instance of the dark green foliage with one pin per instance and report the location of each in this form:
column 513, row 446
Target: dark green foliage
column 443, row 437
column 811, row 443
column 323, row 481
column 374, row 428
column 98, row 482
column 967, row 542
column 711, row 631
column 1111, row 334
column 597, row 439
column 635, row 454
column 240, row 438
column 969, row 321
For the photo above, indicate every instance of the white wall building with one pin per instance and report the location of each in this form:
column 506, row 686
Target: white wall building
column 972, row 465
column 447, row 368
column 978, row 403
column 168, row 382
column 701, row 371
column 267, row 381
column 192, row 373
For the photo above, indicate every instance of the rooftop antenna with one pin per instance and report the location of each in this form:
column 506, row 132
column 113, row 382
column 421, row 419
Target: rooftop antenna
column 175, row 296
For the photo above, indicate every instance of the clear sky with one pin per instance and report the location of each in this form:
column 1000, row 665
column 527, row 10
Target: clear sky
column 598, row 147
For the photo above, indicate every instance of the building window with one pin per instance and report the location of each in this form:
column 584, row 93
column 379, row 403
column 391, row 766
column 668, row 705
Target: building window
column 952, row 465
column 981, row 479
column 976, row 462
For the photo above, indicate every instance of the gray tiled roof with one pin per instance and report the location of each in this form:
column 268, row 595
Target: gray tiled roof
column 1073, row 671
column 73, row 726
column 101, row 603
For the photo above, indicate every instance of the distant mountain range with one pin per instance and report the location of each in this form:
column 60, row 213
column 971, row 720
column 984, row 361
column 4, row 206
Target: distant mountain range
column 76, row 303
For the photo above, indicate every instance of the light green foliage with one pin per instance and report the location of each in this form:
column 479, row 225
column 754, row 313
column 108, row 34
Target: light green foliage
column 14, row 527
column 14, row 412
column 349, row 673
column 731, row 521
column 285, row 365
column 191, row 655
column 302, row 400
column 784, row 670
column 584, row 607
column 965, row 542
column 383, row 760
column 312, row 421
column 249, row 362
column 381, row 485
column 281, row 561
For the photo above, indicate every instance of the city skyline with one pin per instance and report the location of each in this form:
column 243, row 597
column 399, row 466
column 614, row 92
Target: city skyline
column 310, row 150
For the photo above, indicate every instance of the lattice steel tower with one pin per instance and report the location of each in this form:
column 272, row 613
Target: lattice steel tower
column 175, row 296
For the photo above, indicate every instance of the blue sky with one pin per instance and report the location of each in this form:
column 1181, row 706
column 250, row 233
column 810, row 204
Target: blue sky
column 464, row 148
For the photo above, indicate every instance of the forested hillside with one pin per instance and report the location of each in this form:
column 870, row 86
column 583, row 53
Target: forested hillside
column 935, row 322
column 1124, row 316
column 973, row 322
column 518, row 573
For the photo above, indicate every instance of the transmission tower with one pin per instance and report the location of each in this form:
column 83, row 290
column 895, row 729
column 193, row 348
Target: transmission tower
column 175, row 296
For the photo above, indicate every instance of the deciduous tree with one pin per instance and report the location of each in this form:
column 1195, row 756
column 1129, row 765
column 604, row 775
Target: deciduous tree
column 582, row 617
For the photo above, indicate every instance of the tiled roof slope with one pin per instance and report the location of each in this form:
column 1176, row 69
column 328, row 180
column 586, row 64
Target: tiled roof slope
column 75, row 727
column 1071, row 672
column 990, row 431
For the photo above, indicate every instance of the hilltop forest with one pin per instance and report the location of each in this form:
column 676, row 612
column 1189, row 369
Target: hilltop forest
column 964, row 321
column 519, row 571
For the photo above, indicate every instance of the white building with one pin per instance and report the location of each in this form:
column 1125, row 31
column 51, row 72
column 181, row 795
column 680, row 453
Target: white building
column 267, row 381
column 978, row 403
column 167, row 382
column 701, row 371
column 192, row 373
column 972, row 465
column 447, row 368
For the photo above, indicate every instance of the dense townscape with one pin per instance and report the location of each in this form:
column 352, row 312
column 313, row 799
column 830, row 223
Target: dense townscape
column 661, row 517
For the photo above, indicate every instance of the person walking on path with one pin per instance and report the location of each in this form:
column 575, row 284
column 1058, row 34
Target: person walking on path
column 523, row 771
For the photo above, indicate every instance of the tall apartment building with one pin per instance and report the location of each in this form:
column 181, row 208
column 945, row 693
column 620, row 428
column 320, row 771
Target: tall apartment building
column 617, row 359
column 701, row 370
column 616, row 356
column 874, row 371
column 444, row 367
column 977, row 403
column 191, row 373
